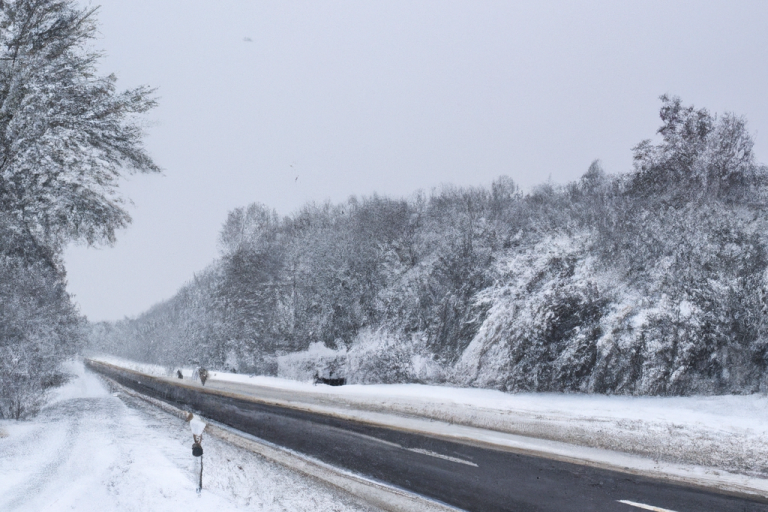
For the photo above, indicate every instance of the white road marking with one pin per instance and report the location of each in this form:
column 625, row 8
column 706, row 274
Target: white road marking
column 644, row 506
column 417, row 450
column 441, row 456
column 395, row 445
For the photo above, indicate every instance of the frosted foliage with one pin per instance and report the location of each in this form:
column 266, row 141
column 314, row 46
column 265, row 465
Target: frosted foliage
column 318, row 360
column 373, row 358
column 378, row 357
column 38, row 327
column 648, row 282
column 546, row 306
column 67, row 136
column 558, row 321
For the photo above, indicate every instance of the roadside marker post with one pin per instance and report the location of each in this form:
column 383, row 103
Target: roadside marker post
column 197, row 426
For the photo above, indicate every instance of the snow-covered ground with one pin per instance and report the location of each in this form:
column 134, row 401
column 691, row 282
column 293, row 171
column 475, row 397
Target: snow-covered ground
column 726, row 433
column 92, row 450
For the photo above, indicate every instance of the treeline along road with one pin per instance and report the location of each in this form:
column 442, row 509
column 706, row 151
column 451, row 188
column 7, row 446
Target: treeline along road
column 647, row 282
column 474, row 478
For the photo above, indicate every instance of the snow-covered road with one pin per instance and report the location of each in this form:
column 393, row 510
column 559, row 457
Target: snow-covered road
column 90, row 450
column 721, row 433
column 713, row 441
column 465, row 467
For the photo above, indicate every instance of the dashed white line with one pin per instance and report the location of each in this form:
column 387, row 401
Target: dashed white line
column 441, row 456
column 417, row 450
column 388, row 443
column 644, row 506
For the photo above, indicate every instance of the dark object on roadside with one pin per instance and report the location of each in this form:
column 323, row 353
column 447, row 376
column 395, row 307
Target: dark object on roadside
column 203, row 373
column 197, row 450
column 331, row 381
column 179, row 374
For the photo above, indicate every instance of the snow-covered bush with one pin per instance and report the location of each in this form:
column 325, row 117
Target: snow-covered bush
column 317, row 361
column 378, row 357
column 375, row 357
column 39, row 327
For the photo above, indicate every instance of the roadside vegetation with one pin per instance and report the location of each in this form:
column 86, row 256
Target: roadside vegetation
column 66, row 138
column 652, row 281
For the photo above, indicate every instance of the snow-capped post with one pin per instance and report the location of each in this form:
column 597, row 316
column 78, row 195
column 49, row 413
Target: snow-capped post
column 200, row 374
column 197, row 426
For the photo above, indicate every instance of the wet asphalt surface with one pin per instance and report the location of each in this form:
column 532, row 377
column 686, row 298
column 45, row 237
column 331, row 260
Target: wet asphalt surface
column 468, row 477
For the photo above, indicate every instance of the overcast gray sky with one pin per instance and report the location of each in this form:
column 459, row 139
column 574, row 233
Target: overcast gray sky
column 391, row 97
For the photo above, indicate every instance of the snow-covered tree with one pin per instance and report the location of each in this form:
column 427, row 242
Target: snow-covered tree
column 66, row 137
column 66, row 134
column 649, row 282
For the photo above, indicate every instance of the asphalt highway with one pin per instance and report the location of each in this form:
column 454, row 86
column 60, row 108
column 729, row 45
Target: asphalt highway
column 468, row 477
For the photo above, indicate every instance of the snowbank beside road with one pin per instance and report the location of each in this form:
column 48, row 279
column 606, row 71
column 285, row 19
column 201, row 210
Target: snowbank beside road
column 724, row 432
column 88, row 451
column 728, row 433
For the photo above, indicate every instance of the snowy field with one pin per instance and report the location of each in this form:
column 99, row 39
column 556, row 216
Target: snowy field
column 92, row 450
column 727, row 433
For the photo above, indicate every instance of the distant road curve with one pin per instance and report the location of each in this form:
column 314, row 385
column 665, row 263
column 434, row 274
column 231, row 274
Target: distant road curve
column 468, row 477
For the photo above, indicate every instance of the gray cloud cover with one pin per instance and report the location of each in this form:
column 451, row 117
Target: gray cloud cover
column 391, row 97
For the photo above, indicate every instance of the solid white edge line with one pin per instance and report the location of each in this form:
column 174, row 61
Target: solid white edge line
column 371, row 438
column 644, row 506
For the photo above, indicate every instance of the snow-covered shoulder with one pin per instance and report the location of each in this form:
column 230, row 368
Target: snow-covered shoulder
column 727, row 433
column 93, row 450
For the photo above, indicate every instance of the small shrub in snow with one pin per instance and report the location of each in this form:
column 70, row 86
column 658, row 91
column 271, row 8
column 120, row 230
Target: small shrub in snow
column 317, row 360
column 378, row 357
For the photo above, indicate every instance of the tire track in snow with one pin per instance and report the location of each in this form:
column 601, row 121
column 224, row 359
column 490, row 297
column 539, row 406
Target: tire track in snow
column 45, row 476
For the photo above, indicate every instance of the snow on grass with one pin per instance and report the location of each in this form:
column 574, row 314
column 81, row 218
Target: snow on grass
column 88, row 450
column 82, row 385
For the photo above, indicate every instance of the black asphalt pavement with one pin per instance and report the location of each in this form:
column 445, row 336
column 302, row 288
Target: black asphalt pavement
column 468, row 477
